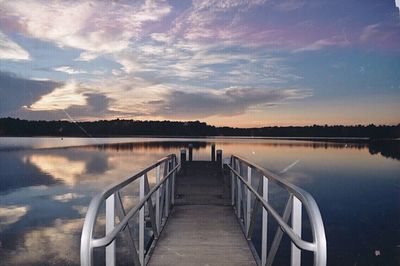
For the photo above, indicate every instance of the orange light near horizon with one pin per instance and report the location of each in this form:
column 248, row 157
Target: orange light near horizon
column 59, row 99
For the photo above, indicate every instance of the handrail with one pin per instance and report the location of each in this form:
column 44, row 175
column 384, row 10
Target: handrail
column 242, row 193
column 286, row 228
column 318, row 246
column 88, row 243
column 100, row 242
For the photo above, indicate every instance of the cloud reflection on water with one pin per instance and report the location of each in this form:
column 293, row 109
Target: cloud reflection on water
column 58, row 167
column 57, row 244
column 67, row 197
column 11, row 214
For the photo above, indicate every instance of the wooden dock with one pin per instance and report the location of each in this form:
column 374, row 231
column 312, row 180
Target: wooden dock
column 202, row 228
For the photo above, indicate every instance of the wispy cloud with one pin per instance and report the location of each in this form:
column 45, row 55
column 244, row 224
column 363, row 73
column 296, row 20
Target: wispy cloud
column 87, row 56
column 289, row 5
column 67, row 197
column 128, row 61
column 337, row 41
column 10, row 50
column 381, row 35
column 229, row 102
column 207, row 20
column 11, row 214
column 78, row 24
column 69, row 70
column 369, row 31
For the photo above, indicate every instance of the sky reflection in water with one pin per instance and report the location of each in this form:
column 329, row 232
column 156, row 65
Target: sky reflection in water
column 46, row 187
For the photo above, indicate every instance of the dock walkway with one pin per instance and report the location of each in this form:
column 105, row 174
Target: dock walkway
column 202, row 228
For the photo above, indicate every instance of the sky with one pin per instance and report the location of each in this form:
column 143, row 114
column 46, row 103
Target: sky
column 242, row 63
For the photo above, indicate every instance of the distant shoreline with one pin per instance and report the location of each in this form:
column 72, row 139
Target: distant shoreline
column 14, row 127
column 316, row 139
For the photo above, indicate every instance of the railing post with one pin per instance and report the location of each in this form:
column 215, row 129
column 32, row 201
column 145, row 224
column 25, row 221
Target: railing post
column 232, row 181
column 296, row 225
column 190, row 152
column 158, row 220
column 110, row 223
column 183, row 160
column 248, row 202
column 141, row 221
column 213, row 152
column 219, row 159
column 167, row 192
column 239, row 188
column 128, row 230
column 264, row 237
column 173, row 181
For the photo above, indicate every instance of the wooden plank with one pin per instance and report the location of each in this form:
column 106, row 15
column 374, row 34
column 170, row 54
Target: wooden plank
column 202, row 228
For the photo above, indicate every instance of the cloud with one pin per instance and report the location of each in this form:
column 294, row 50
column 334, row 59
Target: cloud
column 98, row 102
column 10, row 50
column 61, row 98
column 80, row 209
column 104, row 98
column 87, row 56
column 78, row 24
column 324, row 43
column 229, row 102
column 160, row 37
column 95, row 105
column 69, row 70
column 221, row 5
column 381, row 35
column 369, row 31
column 17, row 92
column 289, row 5
column 11, row 214
column 129, row 62
column 128, row 96
column 212, row 20
column 67, row 197
column 55, row 166
column 55, row 244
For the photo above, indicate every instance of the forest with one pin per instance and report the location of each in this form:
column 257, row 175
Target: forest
column 123, row 128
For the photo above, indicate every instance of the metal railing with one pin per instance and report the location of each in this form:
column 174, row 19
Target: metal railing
column 164, row 191
column 242, row 193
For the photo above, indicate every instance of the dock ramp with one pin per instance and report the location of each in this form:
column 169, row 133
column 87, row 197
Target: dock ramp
column 199, row 213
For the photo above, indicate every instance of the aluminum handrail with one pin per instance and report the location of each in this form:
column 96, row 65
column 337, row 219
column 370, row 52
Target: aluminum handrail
column 88, row 243
column 286, row 228
column 104, row 241
column 318, row 246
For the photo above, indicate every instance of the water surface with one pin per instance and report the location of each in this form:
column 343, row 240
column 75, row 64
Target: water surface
column 46, row 185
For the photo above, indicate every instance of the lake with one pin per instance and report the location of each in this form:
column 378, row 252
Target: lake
column 46, row 185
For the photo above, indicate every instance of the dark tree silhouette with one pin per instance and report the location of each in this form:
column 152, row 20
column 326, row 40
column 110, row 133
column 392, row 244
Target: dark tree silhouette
column 119, row 128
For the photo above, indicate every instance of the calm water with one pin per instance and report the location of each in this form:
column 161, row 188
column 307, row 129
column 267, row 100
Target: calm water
column 46, row 185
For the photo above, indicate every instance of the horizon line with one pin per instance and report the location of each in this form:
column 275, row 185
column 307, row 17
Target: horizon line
column 199, row 121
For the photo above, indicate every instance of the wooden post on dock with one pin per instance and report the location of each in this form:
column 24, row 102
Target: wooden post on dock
column 190, row 152
column 183, row 160
column 219, row 159
column 213, row 152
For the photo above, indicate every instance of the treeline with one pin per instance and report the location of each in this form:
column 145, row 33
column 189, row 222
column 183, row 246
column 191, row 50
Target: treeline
column 118, row 128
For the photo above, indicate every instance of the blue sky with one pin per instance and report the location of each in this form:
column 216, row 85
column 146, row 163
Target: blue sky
column 238, row 63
